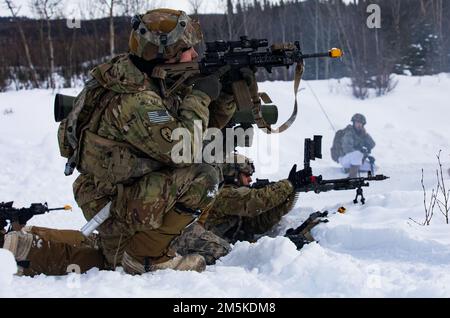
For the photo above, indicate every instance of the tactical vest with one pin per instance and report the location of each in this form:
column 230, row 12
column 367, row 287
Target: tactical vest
column 108, row 160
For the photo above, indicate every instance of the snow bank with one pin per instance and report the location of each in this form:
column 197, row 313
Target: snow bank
column 8, row 268
column 374, row 250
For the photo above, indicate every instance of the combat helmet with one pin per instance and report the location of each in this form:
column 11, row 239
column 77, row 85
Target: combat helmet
column 359, row 118
column 241, row 164
column 163, row 33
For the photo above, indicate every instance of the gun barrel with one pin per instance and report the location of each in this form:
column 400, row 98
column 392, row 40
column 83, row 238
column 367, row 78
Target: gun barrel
column 333, row 53
column 314, row 55
column 378, row 177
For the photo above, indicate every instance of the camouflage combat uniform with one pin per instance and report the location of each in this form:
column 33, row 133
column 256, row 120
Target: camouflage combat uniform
column 352, row 140
column 150, row 208
column 238, row 214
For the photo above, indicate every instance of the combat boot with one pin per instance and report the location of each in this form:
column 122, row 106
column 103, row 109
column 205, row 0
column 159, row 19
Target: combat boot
column 150, row 250
column 19, row 244
column 353, row 172
column 190, row 262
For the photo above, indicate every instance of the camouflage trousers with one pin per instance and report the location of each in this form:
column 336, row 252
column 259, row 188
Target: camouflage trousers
column 196, row 239
column 58, row 252
column 146, row 217
column 55, row 252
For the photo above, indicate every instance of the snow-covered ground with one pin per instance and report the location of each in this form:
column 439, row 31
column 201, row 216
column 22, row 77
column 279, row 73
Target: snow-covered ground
column 373, row 250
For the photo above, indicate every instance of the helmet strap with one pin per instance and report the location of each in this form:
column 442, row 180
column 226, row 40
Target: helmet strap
column 162, row 45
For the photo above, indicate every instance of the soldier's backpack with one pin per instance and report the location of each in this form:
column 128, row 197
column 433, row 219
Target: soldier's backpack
column 80, row 117
column 336, row 148
column 107, row 160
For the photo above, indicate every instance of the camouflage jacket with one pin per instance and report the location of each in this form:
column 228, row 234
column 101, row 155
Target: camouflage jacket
column 239, row 213
column 136, row 125
column 143, row 119
column 352, row 140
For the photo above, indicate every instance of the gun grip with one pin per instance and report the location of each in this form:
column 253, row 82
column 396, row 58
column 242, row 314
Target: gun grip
column 242, row 95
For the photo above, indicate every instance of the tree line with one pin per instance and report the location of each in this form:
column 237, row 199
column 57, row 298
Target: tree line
column 412, row 38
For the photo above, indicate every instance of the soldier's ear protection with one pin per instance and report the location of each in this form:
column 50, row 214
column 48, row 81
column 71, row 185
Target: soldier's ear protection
column 136, row 21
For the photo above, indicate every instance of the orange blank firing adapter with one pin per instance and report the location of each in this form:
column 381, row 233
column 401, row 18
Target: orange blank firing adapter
column 342, row 210
column 336, row 53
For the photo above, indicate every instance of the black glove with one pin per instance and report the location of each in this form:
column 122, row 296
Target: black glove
column 210, row 85
column 300, row 178
column 248, row 75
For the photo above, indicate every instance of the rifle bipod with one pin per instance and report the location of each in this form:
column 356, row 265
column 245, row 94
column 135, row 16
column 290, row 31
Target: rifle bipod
column 359, row 193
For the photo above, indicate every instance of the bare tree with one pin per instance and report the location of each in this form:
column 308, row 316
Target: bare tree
column 47, row 9
column 109, row 6
column 316, row 35
column 91, row 12
column 444, row 201
column 132, row 7
column 428, row 205
column 440, row 196
column 195, row 6
column 282, row 18
column 14, row 12
column 229, row 16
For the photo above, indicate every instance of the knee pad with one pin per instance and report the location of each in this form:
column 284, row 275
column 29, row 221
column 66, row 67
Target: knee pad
column 19, row 244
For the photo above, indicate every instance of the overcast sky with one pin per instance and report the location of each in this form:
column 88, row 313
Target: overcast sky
column 72, row 8
column 80, row 8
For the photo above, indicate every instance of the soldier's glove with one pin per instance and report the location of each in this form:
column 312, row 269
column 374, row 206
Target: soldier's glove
column 210, row 85
column 248, row 75
column 300, row 178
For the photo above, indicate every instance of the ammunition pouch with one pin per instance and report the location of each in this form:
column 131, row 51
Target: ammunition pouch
column 111, row 161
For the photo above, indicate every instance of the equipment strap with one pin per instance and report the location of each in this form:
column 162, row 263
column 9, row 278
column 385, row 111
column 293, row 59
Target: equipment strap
column 257, row 113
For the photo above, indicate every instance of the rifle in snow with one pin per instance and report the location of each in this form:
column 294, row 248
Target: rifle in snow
column 19, row 217
column 311, row 183
column 313, row 150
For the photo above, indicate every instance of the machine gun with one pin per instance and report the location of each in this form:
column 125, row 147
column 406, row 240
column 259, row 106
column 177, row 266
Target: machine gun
column 19, row 217
column 318, row 184
column 313, row 151
column 232, row 56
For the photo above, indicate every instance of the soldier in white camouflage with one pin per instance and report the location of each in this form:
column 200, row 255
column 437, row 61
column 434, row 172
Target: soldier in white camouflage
column 124, row 156
column 352, row 146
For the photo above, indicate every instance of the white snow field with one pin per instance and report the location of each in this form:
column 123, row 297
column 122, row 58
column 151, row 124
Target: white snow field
column 372, row 250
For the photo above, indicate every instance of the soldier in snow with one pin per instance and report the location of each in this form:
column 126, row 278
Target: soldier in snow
column 122, row 127
column 241, row 212
column 352, row 146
